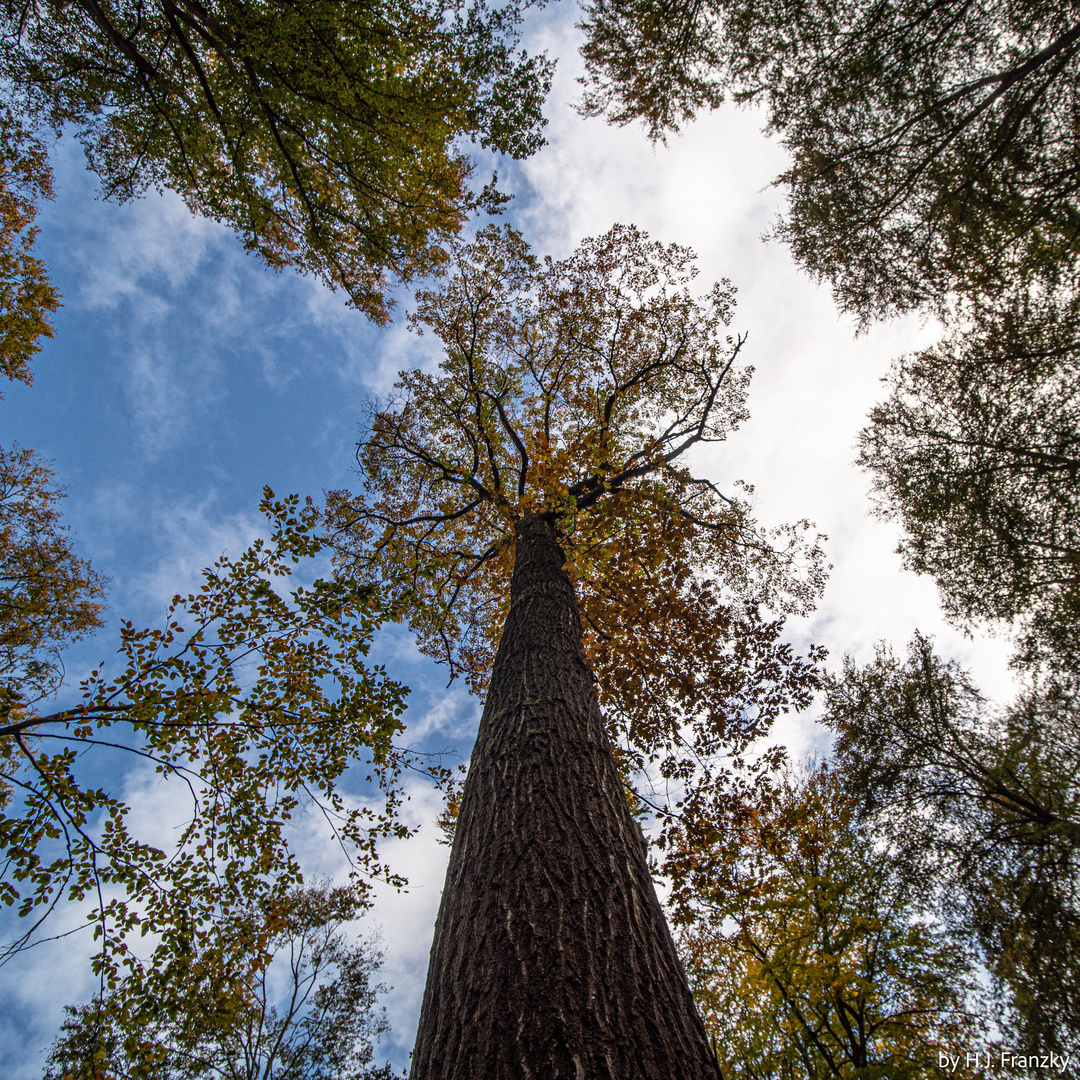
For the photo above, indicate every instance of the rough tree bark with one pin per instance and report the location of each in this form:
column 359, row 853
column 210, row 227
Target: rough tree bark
column 552, row 957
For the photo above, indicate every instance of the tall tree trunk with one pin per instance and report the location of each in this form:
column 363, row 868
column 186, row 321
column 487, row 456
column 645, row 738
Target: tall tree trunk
column 552, row 957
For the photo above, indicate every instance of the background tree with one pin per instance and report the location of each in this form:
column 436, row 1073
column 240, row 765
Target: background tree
column 310, row 1014
column 976, row 453
column 327, row 134
column 808, row 947
column 27, row 296
column 988, row 802
column 550, row 436
column 254, row 703
column 933, row 145
column 49, row 596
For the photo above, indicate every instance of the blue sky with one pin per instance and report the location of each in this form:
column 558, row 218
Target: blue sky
column 185, row 376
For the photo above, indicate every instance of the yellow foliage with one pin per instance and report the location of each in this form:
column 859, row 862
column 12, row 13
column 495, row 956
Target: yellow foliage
column 806, row 946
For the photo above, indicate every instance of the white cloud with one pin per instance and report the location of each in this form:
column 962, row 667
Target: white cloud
column 455, row 714
column 814, row 381
column 406, row 920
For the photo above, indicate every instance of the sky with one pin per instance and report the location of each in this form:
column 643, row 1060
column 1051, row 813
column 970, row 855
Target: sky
column 184, row 376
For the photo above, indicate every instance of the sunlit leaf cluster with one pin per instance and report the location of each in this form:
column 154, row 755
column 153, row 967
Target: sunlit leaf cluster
column 244, row 709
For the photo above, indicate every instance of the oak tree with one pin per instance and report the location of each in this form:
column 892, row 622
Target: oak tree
column 309, row 1014
column 330, row 136
column 984, row 800
column 808, row 945
column 564, row 559
column 933, row 146
column 976, row 452
column 249, row 704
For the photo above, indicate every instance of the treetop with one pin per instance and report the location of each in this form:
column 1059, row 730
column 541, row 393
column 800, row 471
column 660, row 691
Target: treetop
column 575, row 389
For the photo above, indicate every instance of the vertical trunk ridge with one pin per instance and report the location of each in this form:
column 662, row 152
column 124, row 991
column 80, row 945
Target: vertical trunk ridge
column 552, row 958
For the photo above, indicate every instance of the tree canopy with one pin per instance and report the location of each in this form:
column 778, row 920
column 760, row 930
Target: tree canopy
column 933, row 145
column 330, row 136
column 808, row 947
column 976, row 452
column 49, row 596
column 27, row 296
column 248, row 703
column 570, row 389
column 983, row 802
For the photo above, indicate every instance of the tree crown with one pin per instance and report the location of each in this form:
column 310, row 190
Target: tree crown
column 933, row 144
column 27, row 296
column 981, row 800
column 49, row 596
column 808, row 947
column 976, row 452
column 574, row 389
column 311, row 1014
column 253, row 704
column 326, row 134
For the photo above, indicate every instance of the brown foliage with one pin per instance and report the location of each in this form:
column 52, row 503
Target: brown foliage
column 49, row 596
column 27, row 297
